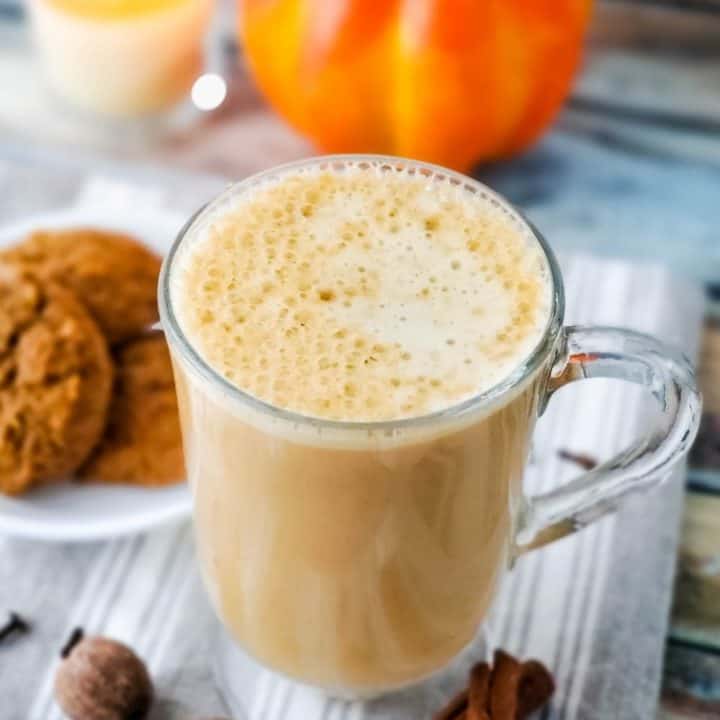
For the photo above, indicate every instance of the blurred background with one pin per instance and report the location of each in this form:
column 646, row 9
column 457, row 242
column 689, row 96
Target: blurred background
column 639, row 129
column 612, row 149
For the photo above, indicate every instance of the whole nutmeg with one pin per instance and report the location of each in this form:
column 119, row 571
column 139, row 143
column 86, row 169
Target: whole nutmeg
column 101, row 679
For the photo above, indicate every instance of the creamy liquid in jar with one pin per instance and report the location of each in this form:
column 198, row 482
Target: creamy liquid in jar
column 121, row 58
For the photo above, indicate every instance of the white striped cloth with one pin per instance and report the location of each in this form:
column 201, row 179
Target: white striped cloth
column 594, row 607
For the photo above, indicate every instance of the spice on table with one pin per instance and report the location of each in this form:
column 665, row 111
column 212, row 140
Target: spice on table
column 14, row 625
column 101, row 679
column 75, row 637
column 505, row 681
column 509, row 690
column 536, row 687
column 587, row 462
column 479, row 692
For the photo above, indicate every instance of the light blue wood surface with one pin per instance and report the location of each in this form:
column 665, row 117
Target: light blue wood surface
column 595, row 194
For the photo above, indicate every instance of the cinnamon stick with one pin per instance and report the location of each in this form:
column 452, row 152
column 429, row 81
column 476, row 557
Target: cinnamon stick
column 587, row 462
column 504, row 684
column 536, row 688
column 479, row 693
column 509, row 690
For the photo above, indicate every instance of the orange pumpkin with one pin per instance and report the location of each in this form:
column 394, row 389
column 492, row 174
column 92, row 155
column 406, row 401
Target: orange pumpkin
column 447, row 81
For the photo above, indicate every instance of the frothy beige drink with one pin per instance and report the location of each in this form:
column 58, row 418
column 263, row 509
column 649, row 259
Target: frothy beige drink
column 358, row 557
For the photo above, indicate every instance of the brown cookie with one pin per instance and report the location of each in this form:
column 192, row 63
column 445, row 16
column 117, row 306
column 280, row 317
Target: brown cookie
column 113, row 275
column 55, row 382
column 142, row 443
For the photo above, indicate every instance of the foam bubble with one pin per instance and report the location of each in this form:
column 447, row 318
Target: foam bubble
column 360, row 294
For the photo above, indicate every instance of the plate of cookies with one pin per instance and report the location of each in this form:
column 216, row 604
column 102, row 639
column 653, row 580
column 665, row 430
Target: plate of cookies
column 90, row 444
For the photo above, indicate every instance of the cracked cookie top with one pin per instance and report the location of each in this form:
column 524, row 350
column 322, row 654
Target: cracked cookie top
column 112, row 274
column 55, row 381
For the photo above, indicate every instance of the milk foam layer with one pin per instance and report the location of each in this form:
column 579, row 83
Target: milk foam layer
column 362, row 294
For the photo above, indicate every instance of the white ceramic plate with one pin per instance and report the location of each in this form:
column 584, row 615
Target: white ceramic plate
column 83, row 512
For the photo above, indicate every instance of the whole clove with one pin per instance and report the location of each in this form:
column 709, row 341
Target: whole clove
column 14, row 625
column 76, row 636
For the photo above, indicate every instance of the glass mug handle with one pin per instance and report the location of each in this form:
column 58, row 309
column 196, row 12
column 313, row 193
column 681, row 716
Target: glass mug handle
column 603, row 352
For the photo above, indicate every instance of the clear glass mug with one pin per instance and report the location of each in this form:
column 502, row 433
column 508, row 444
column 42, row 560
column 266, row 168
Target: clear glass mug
column 363, row 557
